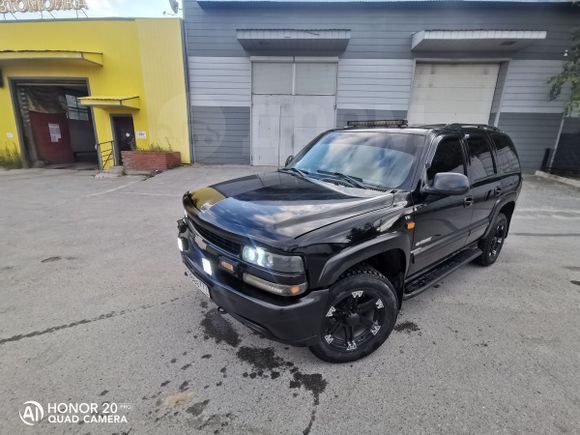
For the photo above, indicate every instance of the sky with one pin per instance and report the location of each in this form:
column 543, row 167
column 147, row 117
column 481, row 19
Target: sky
column 110, row 8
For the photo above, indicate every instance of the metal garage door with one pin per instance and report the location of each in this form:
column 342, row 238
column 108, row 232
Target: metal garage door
column 292, row 102
column 452, row 92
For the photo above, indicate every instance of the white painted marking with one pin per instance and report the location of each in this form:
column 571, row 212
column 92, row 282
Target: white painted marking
column 114, row 189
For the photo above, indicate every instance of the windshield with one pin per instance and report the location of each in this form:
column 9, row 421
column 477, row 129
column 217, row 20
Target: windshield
column 383, row 159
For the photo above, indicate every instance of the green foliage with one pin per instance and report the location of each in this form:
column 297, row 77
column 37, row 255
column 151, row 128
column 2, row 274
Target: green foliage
column 570, row 75
column 9, row 156
column 153, row 146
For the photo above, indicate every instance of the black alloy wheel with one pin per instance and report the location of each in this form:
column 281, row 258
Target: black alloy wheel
column 491, row 246
column 353, row 320
column 497, row 240
column 361, row 313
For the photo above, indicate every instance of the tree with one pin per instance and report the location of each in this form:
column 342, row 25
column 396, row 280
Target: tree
column 570, row 75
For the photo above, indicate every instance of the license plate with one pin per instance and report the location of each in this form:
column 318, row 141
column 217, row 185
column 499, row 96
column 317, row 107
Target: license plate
column 199, row 284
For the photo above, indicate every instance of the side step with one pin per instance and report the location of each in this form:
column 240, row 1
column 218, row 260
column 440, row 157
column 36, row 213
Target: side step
column 424, row 282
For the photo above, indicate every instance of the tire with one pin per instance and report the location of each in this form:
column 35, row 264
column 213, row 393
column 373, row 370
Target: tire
column 360, row 315
column 492, row 244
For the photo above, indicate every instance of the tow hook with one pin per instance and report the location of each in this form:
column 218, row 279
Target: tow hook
column 221, row 310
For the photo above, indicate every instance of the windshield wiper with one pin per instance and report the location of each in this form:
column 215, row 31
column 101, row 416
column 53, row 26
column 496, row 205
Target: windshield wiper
column 301, row 172
column 351, row 180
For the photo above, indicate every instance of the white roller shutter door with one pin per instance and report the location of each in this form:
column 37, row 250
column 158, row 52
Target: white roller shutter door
column 452, row 92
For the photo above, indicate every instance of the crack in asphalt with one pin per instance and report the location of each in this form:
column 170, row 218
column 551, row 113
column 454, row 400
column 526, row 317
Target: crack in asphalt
column 109, row 315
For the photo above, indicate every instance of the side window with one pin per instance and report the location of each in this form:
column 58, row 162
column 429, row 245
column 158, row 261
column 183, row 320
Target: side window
column 482, row 164
column 507, row 158
column 447, row 158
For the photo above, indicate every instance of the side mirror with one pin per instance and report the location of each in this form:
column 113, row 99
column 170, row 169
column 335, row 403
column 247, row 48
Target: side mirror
column 448, row 183
column 289, row 160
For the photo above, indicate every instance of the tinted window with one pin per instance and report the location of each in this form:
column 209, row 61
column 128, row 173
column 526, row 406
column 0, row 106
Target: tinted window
column 380, row 158
column 507, row 158
column 482, row 165
column 447, row 158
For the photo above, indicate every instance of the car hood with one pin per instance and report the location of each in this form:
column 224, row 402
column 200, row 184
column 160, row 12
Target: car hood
column 278, row 206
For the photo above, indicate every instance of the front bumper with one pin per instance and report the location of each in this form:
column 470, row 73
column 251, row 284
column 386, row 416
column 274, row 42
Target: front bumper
column 294, row 321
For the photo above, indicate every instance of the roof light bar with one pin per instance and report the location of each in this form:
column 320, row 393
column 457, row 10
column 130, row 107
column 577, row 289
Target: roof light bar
column 379, row 123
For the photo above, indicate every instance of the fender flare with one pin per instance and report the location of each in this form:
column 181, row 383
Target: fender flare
column 497, row 208
column 353, row 255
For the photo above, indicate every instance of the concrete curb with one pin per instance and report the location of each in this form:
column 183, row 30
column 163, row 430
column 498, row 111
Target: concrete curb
column 563, row 180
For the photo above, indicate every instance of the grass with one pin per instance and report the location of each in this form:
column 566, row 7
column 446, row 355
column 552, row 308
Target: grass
column 157, row 148
column 9, row 157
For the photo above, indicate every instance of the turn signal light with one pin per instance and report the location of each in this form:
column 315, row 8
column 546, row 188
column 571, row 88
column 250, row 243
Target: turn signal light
column 410, row 225
column 227, row 266
column 272, row 287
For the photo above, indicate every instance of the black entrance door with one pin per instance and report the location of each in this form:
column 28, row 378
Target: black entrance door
column 124, row 134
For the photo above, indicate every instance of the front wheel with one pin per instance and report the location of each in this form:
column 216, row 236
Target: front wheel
column 492, row 244
column 360, row 316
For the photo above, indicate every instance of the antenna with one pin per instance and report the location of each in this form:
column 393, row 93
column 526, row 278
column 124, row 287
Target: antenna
column 174, row 6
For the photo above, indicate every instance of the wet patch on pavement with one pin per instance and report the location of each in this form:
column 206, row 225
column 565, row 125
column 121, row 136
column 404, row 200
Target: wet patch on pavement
column 215, row 326
column 266, row 364
column 407, row 326
column 197, row 408
column 575, row 282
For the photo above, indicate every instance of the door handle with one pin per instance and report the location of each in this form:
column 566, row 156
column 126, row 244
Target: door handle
column 468, row 201
column 497, row 191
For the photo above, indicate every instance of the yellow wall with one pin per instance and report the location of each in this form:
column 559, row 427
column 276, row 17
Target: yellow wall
column 141, row 57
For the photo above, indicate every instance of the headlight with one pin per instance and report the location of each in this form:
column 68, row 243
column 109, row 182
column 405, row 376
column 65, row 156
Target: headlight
column 280, row 263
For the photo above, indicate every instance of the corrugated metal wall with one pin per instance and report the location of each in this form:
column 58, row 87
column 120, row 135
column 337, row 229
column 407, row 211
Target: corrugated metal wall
column 378, row 31
column 221, row 134
column 567, row 157
column 532, row 133
column 375, row 73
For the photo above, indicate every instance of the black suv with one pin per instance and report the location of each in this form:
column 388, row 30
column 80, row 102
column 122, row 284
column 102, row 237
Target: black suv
column 322, row 252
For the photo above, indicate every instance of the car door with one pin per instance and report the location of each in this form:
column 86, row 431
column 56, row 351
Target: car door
column 483, row 178
column 441, row 221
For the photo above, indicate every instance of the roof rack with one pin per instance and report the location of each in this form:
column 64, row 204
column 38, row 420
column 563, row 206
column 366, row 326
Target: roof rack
column 401, row 123
column 460, row 125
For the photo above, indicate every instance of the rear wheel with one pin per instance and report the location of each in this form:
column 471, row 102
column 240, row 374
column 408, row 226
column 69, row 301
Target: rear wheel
column 492, row 244
column 361, row 314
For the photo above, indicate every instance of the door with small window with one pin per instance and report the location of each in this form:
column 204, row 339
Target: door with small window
column 483, row 178
column 442, row 221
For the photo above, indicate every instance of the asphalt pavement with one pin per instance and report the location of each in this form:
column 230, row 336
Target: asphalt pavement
column 95, row 308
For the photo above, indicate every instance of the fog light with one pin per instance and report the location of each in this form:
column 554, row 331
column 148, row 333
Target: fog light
column 180, row 244
column 206, row 266
column 273, row 287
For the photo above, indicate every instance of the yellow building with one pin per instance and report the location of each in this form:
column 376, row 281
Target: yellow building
column 68, row 85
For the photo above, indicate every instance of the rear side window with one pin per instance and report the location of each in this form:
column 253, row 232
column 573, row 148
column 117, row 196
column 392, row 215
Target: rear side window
column 482, row 164
column 507, row 159
column 447, row 158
